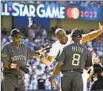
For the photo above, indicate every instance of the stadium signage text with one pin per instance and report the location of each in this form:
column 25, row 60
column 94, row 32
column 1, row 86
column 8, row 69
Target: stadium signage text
column 17, row 9
column 52, row 10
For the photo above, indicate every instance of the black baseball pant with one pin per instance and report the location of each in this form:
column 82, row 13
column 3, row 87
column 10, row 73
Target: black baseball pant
column 13, row 83
column 72, row 81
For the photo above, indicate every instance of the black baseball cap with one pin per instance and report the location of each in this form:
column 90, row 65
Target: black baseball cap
column 15, row 32
column 77, row 33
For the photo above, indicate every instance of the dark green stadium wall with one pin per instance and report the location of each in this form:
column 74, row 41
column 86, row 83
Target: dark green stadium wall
column 71, row 24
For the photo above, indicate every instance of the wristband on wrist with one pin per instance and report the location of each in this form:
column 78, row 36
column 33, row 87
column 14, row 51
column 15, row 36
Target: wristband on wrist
column 13, row 65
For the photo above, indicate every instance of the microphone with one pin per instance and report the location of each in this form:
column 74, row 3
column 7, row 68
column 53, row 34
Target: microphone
column 47, row 48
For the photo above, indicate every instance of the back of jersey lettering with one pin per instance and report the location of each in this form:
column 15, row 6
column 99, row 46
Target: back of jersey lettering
column 76, row 55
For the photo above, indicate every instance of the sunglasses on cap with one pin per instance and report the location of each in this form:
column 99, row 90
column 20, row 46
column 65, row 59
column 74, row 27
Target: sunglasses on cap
column 15, row 32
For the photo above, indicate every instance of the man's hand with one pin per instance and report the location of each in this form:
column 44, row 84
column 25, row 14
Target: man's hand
column 42, row 51
column 14, row 66
column 100, row 27
column 24, row 68
column 39, row 54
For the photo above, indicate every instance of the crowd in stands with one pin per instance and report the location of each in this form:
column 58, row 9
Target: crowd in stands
column 96, row 46
column 38, row 37
column 92, row 3
column 69, row 3
column 79, row 3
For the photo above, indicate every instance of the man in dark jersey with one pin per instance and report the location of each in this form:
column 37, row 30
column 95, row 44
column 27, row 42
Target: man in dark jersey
column 71, row 62
column 14, row 56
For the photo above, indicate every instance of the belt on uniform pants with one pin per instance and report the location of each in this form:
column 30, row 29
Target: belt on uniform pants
column 74, row 70
column 13, row 75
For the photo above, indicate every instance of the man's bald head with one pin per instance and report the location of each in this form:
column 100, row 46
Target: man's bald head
column 59, row 29
column 61, row 35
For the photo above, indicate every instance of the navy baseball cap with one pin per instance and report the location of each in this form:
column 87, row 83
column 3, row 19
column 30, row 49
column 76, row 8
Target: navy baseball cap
column 15, row 32
column 77, row 33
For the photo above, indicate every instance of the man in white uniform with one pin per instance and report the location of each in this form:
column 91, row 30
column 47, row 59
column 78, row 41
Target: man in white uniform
column 64, row 40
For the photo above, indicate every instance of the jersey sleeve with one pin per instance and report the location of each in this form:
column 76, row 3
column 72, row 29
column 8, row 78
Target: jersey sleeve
column 61, row 55
column 89, row 59
column 5, row 54
column 54, row 50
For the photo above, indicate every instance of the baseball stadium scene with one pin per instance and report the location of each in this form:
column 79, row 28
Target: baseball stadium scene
column 51, row 45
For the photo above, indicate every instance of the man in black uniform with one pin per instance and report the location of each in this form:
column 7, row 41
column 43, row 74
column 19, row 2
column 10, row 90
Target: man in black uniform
column 98, row 73
column 14, row 56
column 71, row 62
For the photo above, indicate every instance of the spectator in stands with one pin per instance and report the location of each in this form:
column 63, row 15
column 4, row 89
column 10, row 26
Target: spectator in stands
column 98, row 79
column 5, row 38
column 97, row 45
column 32, row 31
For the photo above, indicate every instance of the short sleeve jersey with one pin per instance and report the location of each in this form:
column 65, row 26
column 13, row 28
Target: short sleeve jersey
column 16, row 55
column 57, row 46
column 75, row 57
